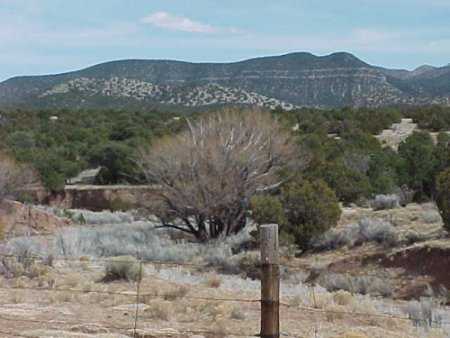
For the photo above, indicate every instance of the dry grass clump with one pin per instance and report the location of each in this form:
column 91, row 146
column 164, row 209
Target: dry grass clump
column 366, row 306
column 436, row 333
column 71, row 280
column 354, row 234
column 16, row 297
column 14, row 267
column 352, row 335
column 321, row 300
column 209, row 310
column 297, row 301
column 365, row 285
column 431, row 216
column 158, row 310
column 2, row 231
column 218, row 330
column 36, row 270
column 176, row 293
column 423, row 313
column 342, row 297
column 335, row 312
column 122, row 268
column 61, row 297
column 237, row 313
column 213, row 281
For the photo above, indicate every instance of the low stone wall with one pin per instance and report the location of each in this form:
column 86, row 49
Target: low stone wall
column 96, row 197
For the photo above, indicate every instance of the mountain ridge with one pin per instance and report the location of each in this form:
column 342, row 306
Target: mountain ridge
column 290, row 80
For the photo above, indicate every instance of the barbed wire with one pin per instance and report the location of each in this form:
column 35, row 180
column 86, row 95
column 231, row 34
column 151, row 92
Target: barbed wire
column 122, row 329
column 90, row 259
column 131, row 295
column 138, row 295
column 112, row 259
column 296, row 307
column 355, row 313
column 63, row 322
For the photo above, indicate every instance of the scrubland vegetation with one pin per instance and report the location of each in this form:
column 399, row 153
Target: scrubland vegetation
column 221, row 176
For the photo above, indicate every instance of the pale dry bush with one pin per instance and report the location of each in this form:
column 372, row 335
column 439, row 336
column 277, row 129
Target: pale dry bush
column 365, row 306
column 424, row 313
column 213, row 310
column 123, row 267
column 297, row 301
column 128, row 239
column 383, row 202
column 158, row 310
column 209, row 172
column 356, row 284
column 13, row 177
column 366, row 230
column 335, row 312
column 13, row 267
column 97, row 217
column 237, row 313
column 143, row 238
column 374, row 230
column 321, row 300
column 431, row 216
column 342, row 297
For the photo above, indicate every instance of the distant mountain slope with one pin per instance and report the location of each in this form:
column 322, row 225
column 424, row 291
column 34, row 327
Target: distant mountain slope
column 292, row 80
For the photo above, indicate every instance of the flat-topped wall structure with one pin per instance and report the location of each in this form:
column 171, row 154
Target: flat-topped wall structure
column 95, row 197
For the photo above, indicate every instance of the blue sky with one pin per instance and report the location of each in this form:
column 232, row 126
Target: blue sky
column 52, row 36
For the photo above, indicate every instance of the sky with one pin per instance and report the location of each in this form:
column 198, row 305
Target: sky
column 54, row 36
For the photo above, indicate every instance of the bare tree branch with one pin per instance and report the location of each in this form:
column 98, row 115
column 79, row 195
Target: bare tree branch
column 209, row 172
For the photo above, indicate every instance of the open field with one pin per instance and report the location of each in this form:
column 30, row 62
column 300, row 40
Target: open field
column 190, row 290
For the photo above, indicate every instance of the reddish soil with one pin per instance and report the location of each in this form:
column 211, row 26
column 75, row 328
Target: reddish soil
column 424, row 261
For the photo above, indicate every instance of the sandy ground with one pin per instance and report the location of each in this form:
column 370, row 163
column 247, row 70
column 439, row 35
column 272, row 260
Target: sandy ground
column 176, row 302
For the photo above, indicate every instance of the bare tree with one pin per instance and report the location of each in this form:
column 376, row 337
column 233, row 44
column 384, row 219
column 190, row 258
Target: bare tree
column 13, row 177
column 208, row 173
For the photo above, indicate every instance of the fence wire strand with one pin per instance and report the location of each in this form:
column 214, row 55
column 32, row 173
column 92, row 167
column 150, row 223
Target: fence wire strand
column 138, row 295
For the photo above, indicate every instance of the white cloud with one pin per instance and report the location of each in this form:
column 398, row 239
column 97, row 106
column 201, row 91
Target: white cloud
column 367, row 36
column 177, row 23
column 181, row 23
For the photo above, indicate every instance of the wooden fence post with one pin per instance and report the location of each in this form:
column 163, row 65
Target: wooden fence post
column 270, row 282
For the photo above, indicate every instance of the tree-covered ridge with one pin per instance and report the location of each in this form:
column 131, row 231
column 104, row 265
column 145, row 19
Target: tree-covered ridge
column 292, row 80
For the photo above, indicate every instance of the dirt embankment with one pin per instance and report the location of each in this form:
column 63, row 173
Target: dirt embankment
column 430, row 261
column 19, row 219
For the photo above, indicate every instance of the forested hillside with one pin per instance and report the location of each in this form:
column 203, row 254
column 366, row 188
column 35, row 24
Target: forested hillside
column 291, row 81
column 340, row 145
